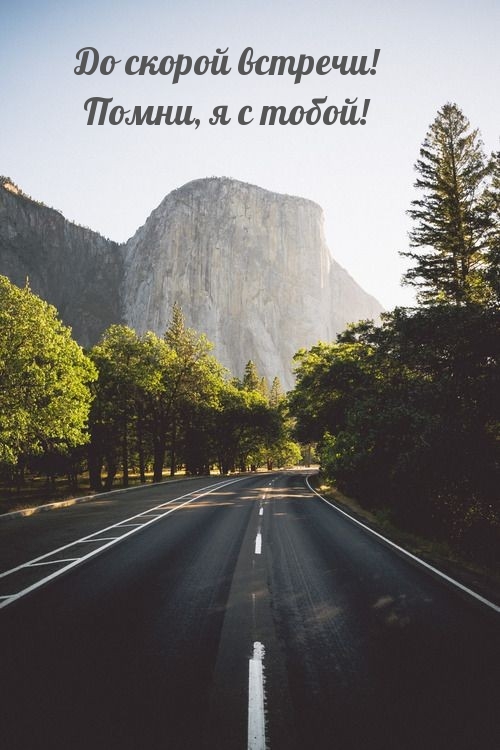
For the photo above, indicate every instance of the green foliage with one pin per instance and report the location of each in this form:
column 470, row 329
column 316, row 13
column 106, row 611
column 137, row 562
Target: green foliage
column 276, row 394
column 408, row 416
column 44, row 377
column 119, row 395
column 492, row 208
column 251, row 378
column 168, row 400
column 452, row 220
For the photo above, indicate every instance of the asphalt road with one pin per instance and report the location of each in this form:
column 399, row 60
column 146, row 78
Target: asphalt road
column 249, row 615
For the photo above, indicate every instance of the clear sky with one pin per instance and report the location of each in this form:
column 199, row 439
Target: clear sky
column 111, row 177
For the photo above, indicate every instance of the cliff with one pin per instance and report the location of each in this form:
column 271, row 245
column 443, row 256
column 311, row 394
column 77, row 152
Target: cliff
column 76, row 270
column 250, row 268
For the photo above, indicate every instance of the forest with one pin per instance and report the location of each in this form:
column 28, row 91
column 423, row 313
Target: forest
column 404, row 413
column 131, row 405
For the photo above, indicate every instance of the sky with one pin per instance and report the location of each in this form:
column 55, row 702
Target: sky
column 110, row 178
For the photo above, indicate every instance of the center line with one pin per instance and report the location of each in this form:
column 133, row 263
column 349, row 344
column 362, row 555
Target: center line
column 258, row 544
column 256, row 719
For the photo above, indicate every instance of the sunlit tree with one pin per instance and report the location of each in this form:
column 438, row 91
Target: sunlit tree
column 44, row 378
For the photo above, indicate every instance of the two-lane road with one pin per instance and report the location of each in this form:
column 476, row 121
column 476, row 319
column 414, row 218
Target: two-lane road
column 235, row 615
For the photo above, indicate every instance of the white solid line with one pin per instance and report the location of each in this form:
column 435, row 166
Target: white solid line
column 256, row 718
column 421, row 562
column 258, row 544
column 114, row 540
column 102, row 538
column 129, row 525
column 96, row 541
column 52, row 562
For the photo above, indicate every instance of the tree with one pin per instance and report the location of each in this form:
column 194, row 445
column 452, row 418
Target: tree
column 276, row 394
column 117, row 408
column 408, row 418
column 251, row 379
column 194, row 374
column 44, row 378
column 451, row 225
column 492, row 208
column 183, row 375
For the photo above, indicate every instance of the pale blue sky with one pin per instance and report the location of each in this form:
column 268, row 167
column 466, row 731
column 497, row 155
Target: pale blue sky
column 111, row 178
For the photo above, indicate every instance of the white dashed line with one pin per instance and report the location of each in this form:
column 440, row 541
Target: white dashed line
column 256, row 716
column 258, row 544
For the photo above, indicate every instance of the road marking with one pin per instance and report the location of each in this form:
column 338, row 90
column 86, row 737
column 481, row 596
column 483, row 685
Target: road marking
column 52, row 562
column 6, row 601
column 261, row 512
column 99, row 539
column 105, row 538
column 258, row 544
column 256, row 717
column 418, row 560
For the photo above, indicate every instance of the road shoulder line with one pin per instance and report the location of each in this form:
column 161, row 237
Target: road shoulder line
column 410, row 555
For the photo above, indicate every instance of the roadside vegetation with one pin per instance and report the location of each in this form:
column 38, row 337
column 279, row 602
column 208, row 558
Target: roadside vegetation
column 132, row 409
column 406, row 414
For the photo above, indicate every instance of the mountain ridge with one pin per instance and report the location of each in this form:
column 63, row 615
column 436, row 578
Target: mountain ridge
column 249, row 267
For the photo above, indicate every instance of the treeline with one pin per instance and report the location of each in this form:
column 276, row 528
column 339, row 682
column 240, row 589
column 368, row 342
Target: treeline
column 131, row 404
column 166, row 401
column 407, row 413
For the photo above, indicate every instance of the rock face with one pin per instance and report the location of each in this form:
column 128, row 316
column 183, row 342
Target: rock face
column 73, row 268
column 250, row 268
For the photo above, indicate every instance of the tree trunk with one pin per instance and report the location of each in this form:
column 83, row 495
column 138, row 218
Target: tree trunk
column 140, row 446
column 125, row 454
column 111, row 473
column 20, row 469
column 159, row 449
column 95, row 469
column 173, row 448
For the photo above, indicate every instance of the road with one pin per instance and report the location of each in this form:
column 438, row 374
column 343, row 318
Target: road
column 248, row 614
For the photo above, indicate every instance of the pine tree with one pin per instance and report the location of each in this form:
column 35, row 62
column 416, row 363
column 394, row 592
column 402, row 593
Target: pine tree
column 264, row 388
column 493, row 209
column 251, row 377
column 277, row 394
column 450, row 233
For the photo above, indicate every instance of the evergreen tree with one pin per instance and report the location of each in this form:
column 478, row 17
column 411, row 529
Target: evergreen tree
column 493, row 210
column 451, row 225
column 264, row 388
column 251, row 378
column 276, row 394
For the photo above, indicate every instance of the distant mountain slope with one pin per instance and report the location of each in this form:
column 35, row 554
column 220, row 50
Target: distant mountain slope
column 249, row 267
column 70, row 266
